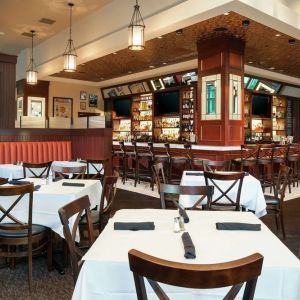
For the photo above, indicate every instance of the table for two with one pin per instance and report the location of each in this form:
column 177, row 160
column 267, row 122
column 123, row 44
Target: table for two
column 106, row 275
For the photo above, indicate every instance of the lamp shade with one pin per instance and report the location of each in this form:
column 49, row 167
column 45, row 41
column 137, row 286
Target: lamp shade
column 31, row 77
column 136, row 39
column 70, row 62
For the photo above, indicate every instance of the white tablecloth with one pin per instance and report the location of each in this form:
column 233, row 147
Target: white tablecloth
column 14, row 171
column 252, row 196
column 51, row 197
column 106, row 275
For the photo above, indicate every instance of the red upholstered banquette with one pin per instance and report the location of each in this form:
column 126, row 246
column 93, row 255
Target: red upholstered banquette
column 35, row 152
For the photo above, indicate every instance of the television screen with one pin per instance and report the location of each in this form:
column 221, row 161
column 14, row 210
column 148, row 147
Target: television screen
column 169, row 81
column 252, row 83
column 167, row 103
column 122, row 107
column 261, row 106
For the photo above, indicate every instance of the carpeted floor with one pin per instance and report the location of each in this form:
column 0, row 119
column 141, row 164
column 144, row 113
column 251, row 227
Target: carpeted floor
column 13, row 283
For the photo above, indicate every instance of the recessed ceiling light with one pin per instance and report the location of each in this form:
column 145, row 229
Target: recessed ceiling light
column 129, row 72
column 245, row 23
column 277, row 34
column 292, row 41
column 272, row 68
column 2, row 33
column 82, row 65
column 226, row 14
column 114, row 53
column 164, row 63
column 179, row 31
column 250, row 62
column 151, row 67
column 160, row 37
column 280, row 71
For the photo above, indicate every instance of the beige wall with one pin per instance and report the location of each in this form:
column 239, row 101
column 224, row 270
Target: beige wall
column 68, row 90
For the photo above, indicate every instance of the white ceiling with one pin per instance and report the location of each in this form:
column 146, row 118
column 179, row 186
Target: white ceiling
column 18, row 16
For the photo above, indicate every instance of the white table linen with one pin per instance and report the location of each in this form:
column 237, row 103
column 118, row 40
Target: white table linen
column 51, row 197
column 252, row 196
column 16, row 171
column 106, row 274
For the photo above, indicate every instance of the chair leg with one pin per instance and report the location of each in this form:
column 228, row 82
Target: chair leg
column 136, row 172
column 282, row 223
column 30, row 266
column 50, row 252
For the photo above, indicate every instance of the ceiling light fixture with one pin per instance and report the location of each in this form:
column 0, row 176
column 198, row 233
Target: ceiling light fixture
column 160, row 37
column 151, row 67
column 31, row 72
column 250, row 62
column 70, row 56
column 226, row 14
column 277, row 34
column 2, row 33
column 136, row 28
column 164, row 63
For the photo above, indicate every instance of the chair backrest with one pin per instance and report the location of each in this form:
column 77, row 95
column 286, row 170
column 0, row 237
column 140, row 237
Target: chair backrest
column 293, row 150
column 249, row 155
column 108, row 195
column 282, row 181
column 226, row 199
column 201, row 191
column 216, row 165
column 96, row 168
column 265, row 153
column 197, row 276
column 7, row 213
column 159, row 174
column 63, row 172
column 76, row 208
column 38, row 170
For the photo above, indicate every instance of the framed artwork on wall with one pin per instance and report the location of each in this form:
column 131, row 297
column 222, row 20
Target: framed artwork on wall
column 36, row 106
column 83, row 95
column 82, row 106
column 62, row 107
column 93, row 100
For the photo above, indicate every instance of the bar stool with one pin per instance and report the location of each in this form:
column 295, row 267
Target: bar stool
column 292, row 160
column 248, row 159
column 279, row 156
column 265, row 166
column 158, row 157
column 178, row 163
column 142, row 156
column 119, row 155
column 130, row 162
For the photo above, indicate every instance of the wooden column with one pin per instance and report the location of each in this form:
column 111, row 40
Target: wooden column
column 7, row 90
column 220, row 56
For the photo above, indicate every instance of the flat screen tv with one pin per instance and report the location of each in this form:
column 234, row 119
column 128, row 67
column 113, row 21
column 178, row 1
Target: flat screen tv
column 261, row 106
column 122, row 107
column 167, row 103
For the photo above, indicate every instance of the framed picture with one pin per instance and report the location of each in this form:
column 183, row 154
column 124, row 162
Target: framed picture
column 82, row 106
column 136, row 88
column 83, row 95
column 93, row 100
column 62, row 107
column 36, row 106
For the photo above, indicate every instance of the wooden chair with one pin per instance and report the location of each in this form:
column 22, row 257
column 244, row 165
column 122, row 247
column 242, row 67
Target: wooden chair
column 64, row 172
column 159, row 174
column 216, row 165
column 201, row 191
column 118, row 159
column 77, row 207
column 275, row 203
column 96, row 168
column 38, row 170
column 248, row 158
column 196, row 276
column 21, row 239
column 100, row 217
column 225, row 201
column 292, row 160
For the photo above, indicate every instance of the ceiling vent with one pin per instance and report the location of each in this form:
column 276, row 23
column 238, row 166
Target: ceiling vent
column 47, row 21
column 27, row 34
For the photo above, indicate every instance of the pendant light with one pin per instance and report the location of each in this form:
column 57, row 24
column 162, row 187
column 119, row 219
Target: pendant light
column 31, row 72
column 136, row 29
column 70, row 55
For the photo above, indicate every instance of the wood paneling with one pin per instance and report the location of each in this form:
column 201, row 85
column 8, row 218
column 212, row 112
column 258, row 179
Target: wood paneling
column 7, row 90
column 235, row 60
column 212, row 62
column 210, row 132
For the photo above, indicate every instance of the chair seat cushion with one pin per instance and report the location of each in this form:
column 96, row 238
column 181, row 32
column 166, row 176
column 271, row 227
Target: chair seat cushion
column 36, row 229
column 271, row 200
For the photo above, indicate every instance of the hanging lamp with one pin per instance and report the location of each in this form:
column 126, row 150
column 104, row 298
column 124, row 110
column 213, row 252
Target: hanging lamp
column 70, row 56
column 31, row 72
column 136, row 29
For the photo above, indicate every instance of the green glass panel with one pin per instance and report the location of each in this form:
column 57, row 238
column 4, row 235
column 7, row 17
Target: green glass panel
column 210, row 98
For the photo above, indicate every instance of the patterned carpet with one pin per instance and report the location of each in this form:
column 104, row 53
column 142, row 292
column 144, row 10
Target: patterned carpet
column 53, row 286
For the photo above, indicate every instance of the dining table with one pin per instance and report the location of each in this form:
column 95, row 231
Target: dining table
column 15, row 170
column 252, row 196
column 105, row 273
column 48, row 198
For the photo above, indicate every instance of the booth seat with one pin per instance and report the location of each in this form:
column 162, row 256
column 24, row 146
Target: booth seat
column 35, row 152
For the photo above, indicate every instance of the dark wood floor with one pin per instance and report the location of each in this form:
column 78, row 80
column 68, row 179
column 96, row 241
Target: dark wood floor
column 13, row 283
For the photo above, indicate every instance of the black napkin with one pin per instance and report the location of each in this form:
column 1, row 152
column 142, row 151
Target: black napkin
column 72, row 160
column 134, row 226
column 73, row 184
column 56, row 179
column 183, row 213
column 189, row 248
column 194, row 174
column 82, row 161
column 238, row 226
column 18, row 182
column 37, row 187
